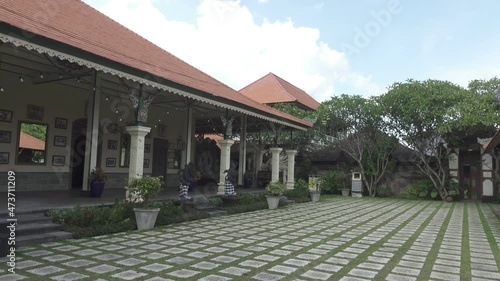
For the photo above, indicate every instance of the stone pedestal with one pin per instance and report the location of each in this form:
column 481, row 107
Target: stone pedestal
column 225, row 154
column 137, row 134
column 290, row 183
column 275, row 163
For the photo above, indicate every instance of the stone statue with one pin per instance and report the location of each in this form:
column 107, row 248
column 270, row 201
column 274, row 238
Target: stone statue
column 186, row 176
column 230, row 179
column 205, row 165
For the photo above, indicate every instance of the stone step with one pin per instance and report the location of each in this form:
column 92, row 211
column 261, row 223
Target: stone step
column 32, row 218
column 204, row 207
column 42, row 238
column 25, row 229
column 200, row 199
column 216, row 213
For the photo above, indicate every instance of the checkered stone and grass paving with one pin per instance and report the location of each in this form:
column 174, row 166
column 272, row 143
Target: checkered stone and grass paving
column 336, row 239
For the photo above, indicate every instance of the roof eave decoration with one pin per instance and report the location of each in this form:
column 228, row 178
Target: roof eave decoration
column 99, row 67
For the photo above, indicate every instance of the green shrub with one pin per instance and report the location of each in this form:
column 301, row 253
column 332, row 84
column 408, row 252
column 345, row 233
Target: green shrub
column 422, row 189
column 169, row 212
column 243, row 208
column 91, row 216
column 250, row 198
column 215, row 201
column 300, row 192
column 146, row 188
column 275, row 189
column 333, row 182
column 100, row 220
column 384, row 191
column 81, row 232
column 301, row 184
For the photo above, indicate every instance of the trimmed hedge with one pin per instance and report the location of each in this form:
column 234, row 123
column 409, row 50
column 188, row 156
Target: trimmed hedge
column 101, row 220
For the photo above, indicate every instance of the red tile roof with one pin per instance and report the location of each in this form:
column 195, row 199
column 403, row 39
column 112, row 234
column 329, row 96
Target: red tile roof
column 30, row 142
column 273, row 89
column 78, row 25
column 494, row 142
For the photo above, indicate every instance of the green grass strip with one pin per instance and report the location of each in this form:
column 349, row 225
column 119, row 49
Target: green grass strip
column 489, row 235
column 465, row 269
column 382, row 274
column 425, row 273
column 339, row 274
column 373, row 247
column 376, row 207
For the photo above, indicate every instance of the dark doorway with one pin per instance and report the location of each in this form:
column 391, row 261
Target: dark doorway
column 470, row 175
column 160, row 158
column 78, row 146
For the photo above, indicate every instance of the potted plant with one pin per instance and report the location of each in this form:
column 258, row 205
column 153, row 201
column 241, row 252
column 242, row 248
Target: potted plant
column 274, row 191
column 97, row 180
column 315, row 188
column 247, row 179
column 144, row 189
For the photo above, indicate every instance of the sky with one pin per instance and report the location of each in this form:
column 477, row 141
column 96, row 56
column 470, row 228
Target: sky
column 325, row 47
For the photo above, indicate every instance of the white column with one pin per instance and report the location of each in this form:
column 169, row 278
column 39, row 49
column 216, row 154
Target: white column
column 189, row 134
column 291, row 168
column 243, row 150
column 275, row 174
column 225, row 157
column 92, row 132
column 137, row 134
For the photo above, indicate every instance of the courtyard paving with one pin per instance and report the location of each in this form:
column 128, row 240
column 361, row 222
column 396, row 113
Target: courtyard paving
column 337, row 239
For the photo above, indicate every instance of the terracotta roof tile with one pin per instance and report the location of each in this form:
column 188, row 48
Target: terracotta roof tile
column 76, row 24
column 494, row 142
column 274, row 89
column 30, row 142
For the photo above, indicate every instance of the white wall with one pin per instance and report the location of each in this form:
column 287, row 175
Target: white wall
column 57, row 101
column 70, row 103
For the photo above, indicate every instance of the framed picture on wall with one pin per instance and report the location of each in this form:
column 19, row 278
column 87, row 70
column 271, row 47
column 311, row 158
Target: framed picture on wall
column 61, row 123
column 5, row 115
column 5, row 136
column 34, row 112
column 58, row 160
column 60, row 141
column 162, row 130
column 4, row 158
column 112, row 144
column 147, row 148
column 110, row 162
column 146, row 163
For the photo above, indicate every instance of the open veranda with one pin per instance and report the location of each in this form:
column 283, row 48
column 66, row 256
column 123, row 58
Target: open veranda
column 334, row 239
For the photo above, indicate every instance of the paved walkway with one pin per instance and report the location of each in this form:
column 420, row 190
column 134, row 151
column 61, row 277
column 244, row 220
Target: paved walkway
column 338, row 239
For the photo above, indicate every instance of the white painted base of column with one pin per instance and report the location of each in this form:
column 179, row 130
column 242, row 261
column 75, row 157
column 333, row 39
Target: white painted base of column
column 225, row 155
column 290, row 185
column 137, row 134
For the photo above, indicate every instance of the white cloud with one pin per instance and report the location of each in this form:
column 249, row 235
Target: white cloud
column 229, row 45
column 263, row 1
